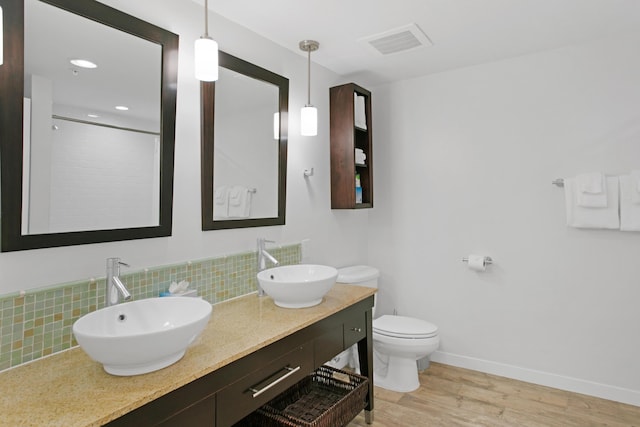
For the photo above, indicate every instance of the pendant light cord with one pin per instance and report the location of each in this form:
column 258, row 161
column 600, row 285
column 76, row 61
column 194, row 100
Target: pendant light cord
column 309, row 76
column 206, row 18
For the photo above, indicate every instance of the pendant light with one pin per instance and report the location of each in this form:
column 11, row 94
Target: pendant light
column 309, row 113
column 206, row 53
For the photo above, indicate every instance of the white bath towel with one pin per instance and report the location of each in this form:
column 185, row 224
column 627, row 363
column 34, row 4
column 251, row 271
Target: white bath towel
column 221, row 202
column 635, row 187
column 592, row 217
column 591, row 190
column 629, row 211
column 239, row 202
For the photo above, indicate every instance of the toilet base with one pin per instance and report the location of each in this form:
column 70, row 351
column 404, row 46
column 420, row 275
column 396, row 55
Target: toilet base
column 401, row 374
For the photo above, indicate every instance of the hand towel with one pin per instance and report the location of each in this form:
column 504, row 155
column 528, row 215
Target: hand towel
column 592, row 217
column 590, row 182
column 239, row 202
column 591, row 190
column 221, row 202
column 635, row 187
column 629, row 211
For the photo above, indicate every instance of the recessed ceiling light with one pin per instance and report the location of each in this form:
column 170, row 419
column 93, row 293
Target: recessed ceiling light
column 83, row 63
column 93, row 116
column 121, row 108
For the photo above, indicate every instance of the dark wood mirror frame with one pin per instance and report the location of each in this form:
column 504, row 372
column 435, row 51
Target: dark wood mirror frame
column 207, row 144
column 11, row 119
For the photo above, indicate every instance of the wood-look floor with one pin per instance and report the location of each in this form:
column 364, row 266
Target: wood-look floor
column 450, row 396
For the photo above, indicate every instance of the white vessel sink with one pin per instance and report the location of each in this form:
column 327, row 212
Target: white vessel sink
column 297, row 286
column 142, row 336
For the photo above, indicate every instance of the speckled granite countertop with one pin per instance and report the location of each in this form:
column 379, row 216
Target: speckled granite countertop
column 69, row 389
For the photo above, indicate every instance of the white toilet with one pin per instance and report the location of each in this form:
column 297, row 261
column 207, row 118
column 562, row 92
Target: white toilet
column 398, row 341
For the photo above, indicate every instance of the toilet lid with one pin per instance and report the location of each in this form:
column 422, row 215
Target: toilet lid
column 404, row 327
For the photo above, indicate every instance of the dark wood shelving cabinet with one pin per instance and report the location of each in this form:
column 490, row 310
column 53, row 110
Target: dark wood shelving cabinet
column 346, row 137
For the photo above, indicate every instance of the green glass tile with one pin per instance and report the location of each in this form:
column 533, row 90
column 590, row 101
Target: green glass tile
column 48, row 314
column 16, row 357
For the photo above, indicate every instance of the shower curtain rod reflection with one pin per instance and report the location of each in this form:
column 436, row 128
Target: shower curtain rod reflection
column 87, row 122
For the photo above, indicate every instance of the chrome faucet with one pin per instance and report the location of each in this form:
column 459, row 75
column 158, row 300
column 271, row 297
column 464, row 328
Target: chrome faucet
column 263, row 256
column 115, row 287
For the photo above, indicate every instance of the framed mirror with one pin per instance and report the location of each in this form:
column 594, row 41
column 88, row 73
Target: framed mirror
column 88, row 125
column 244, row 146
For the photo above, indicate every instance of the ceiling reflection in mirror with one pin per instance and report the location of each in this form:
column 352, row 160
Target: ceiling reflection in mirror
column 87, row 164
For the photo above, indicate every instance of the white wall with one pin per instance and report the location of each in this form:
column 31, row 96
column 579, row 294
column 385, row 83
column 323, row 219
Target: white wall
column 337, row 238
column 464, row 164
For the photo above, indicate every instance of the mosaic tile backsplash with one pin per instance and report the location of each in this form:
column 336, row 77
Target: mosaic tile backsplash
column 40, row 322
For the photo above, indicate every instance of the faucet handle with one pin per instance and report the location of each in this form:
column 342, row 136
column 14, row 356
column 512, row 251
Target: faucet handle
column 124, row 263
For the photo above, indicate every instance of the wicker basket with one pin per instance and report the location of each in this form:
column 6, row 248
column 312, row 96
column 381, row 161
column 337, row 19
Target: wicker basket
column 322, row 399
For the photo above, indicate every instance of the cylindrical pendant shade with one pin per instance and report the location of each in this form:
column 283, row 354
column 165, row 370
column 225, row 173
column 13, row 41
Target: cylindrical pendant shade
column 206, row 59
column 309, row 121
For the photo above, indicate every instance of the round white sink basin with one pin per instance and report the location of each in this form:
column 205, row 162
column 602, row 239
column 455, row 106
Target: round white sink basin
column 297, row 286
column 142, row 336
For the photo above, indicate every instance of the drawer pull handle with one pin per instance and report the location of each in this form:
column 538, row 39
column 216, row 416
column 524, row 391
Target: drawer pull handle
column 290, row 372
column 356, row 329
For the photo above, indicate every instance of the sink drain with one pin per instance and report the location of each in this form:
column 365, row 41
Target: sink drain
column 122, row 317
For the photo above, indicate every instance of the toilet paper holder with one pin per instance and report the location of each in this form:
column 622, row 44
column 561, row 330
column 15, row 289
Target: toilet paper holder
column 487, row 260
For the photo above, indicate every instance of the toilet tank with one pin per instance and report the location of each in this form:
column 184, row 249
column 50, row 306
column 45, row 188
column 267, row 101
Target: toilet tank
column 361, row 275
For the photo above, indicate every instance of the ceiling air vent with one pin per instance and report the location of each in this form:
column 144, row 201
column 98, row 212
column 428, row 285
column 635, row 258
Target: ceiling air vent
column 401, row 39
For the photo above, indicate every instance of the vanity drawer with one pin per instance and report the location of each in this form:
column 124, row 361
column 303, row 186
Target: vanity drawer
column 328, row 345
column 254, row 390
column 355, row 329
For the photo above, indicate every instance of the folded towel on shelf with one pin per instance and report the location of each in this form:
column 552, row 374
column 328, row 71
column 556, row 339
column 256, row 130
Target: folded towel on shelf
column 239, row 202
column 221, row 202
column 629, row 211
column 360, row 156
column 635, row 187
column 360, row 111
column 592, row 217
column 591, row 190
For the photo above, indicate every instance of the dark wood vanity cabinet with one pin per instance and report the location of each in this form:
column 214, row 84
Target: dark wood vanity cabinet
column 348, row 134
column 228, row 394
column 251, row 391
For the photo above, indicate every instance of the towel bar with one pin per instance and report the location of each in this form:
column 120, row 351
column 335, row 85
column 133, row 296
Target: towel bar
column 558, row 182
column 487, row 260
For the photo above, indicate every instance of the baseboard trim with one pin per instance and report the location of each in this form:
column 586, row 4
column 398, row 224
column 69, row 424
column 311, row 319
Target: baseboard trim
column 576, row 385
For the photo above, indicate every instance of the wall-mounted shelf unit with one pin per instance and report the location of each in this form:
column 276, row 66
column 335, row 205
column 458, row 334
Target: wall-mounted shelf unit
column 350, row 130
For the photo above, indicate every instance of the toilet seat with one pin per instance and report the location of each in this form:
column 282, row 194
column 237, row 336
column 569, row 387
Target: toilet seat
column 404, row 327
